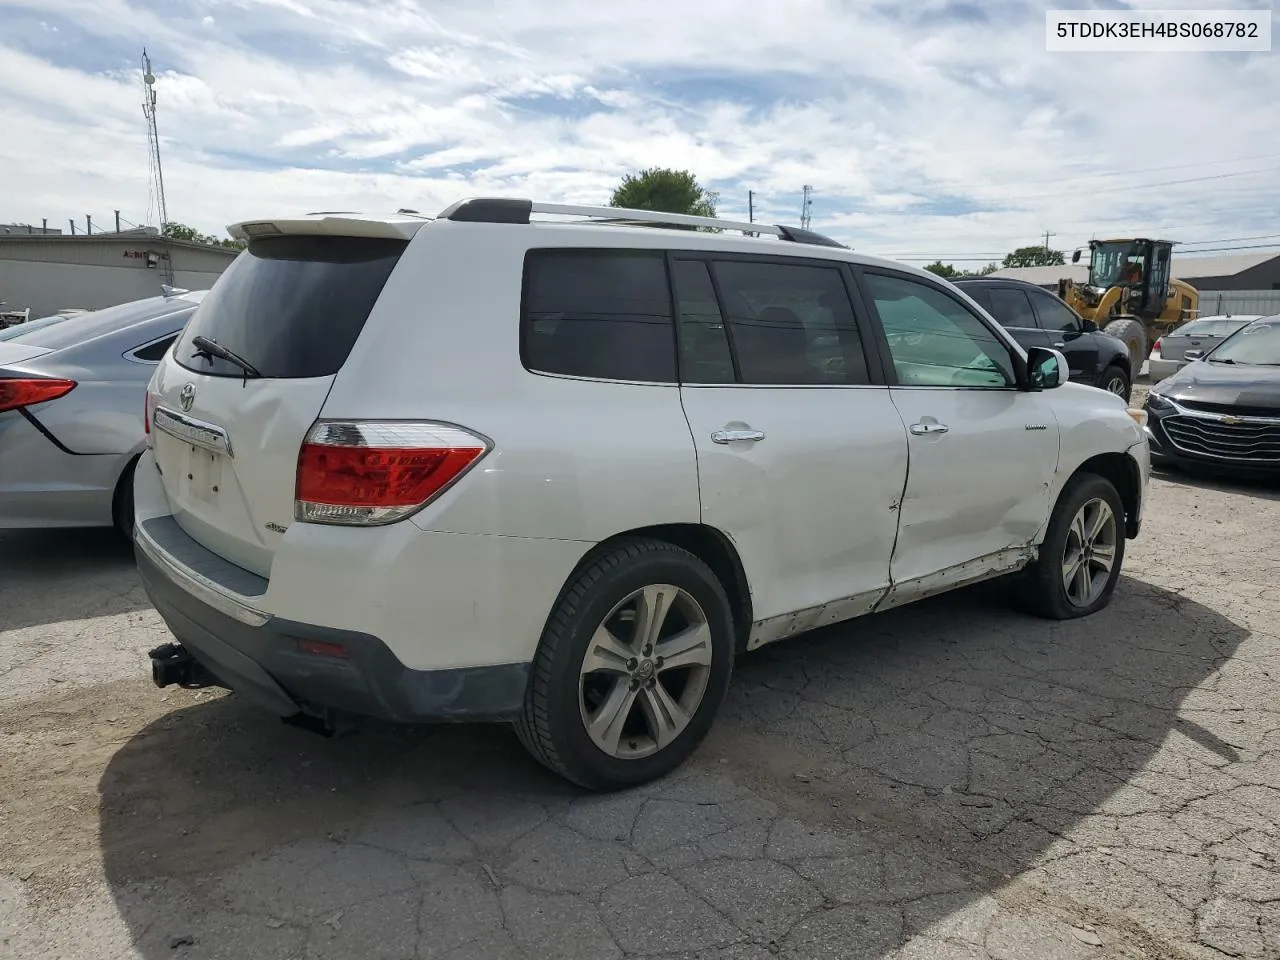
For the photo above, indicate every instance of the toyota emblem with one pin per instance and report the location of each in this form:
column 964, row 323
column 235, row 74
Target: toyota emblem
column 187, row 396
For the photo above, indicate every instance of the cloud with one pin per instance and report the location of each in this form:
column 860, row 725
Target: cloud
column 936, row 128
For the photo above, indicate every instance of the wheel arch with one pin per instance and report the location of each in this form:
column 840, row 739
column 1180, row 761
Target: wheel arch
column 1125, row 475
column 710, row 545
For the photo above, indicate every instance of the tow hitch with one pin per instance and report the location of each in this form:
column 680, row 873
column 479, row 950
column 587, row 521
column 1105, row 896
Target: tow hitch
column 171, row 663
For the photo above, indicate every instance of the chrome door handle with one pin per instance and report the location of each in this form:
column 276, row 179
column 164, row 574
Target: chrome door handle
column 921, row 429
column 729, row 436
column 1059, row 345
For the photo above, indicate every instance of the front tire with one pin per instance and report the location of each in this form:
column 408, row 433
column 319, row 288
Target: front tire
column 1080, row 558
column 1134, row 335
column 632, row 667
column 1115, row 380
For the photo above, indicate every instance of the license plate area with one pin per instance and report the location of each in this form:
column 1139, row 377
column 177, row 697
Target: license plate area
column 202, row 480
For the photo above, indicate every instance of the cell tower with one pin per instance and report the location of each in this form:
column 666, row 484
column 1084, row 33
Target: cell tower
column 806, row 208
column 153, row 143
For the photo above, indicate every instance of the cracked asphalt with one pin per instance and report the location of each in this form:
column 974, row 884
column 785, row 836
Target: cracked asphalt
column 949, row 780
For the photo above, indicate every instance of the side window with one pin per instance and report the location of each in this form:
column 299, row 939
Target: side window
column 790, row 323
column 1012, row 308
column 935, row 340
column 598, row 313
column 704, row 344
column 154, row 352
column 1054, row 314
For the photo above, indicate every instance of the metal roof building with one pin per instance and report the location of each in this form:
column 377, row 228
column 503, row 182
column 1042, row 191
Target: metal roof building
column 51, row 272
column 1245, row 271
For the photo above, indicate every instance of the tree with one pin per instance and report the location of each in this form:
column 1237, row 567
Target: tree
column 1034, row 257
column 670, row 191
column 944, row 270
column 180, row 231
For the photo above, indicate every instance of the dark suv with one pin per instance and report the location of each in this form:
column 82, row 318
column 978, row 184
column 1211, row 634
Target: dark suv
column 1037, row 318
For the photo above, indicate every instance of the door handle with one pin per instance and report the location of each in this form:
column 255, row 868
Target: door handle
column 923, row 429
column 729, row 436
column 1059, row 345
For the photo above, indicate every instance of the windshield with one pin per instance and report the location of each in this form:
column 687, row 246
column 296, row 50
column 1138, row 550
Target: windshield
column 1120, row 263
column 20, row 331
column 1258, row 343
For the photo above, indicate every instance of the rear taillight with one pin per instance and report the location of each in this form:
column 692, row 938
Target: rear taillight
column 1156, row 345
column 148, row 404
column 362, row 473
column 16, row 393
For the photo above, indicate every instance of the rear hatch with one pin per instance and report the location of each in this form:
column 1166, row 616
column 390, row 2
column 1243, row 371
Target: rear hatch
column 226, row 435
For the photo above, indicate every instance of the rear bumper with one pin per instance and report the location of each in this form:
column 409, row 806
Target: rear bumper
column 260, row 658
column 1158, row 368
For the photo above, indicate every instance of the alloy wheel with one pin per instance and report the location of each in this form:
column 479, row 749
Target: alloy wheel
column 645, row 671
column 1090, row 552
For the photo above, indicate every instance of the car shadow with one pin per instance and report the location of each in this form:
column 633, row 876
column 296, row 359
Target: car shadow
column 48, row 576
column 1266, row 488
column 921, row 758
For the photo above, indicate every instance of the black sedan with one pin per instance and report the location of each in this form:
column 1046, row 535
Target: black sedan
column 1223, row 410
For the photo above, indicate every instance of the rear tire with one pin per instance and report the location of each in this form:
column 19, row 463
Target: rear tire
column 1115, row 380
column 1134, row 335
column 1086, row 532
column 122, row 502
column 605, row 707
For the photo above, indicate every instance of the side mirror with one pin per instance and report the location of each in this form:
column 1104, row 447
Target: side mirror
column 1193, row 354
column 1046, row 369
column 1075, row 256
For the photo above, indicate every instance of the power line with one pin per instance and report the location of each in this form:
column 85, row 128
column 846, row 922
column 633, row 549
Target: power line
column 1114, row 173
column 1147, row 186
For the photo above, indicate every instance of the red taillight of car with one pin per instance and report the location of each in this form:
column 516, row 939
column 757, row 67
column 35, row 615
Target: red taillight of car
column 363, row 473
column 16, row 393
column 1156, row 345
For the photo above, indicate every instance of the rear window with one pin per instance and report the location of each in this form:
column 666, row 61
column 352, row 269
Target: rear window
column 57, row 334
column 291, row 306
column 1210, row 328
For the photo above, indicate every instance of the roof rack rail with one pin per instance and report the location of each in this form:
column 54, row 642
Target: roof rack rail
column 511, row 210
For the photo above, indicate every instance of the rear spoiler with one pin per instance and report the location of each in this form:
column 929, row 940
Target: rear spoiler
column 329, row 225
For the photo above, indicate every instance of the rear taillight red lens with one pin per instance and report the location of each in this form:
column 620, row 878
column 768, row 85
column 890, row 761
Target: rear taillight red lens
column 1156, row 345
column 361, row 473
column 16, row 393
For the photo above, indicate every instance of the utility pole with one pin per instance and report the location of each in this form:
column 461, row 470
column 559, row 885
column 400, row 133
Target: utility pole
column 806, row 208
column 1047, row 235
column 72, row 221
column 117, row 221
column 751, row 206
column 88, row 223
column 153, row 134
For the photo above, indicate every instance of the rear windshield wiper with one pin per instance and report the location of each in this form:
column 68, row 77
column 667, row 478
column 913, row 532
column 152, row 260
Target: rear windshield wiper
column 1220, row 360
column 212, row 348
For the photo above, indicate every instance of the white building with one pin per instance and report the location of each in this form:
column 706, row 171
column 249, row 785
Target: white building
column 52, row 272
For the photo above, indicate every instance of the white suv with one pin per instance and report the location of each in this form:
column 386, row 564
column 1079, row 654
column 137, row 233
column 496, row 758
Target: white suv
column 499, row 465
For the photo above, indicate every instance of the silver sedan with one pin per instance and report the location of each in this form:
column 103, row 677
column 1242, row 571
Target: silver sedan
column 72, row 393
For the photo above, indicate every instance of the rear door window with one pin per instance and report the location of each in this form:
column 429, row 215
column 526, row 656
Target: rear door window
column 603, row 314
column 1054, row 314
column 1012, row 308
column 291, row 306
column 790, row 323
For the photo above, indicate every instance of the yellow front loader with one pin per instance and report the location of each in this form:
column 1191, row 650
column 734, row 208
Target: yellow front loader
column 1130, row 293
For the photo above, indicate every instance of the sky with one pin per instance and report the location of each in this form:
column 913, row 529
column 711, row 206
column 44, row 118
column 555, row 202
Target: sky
column 926, row 128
